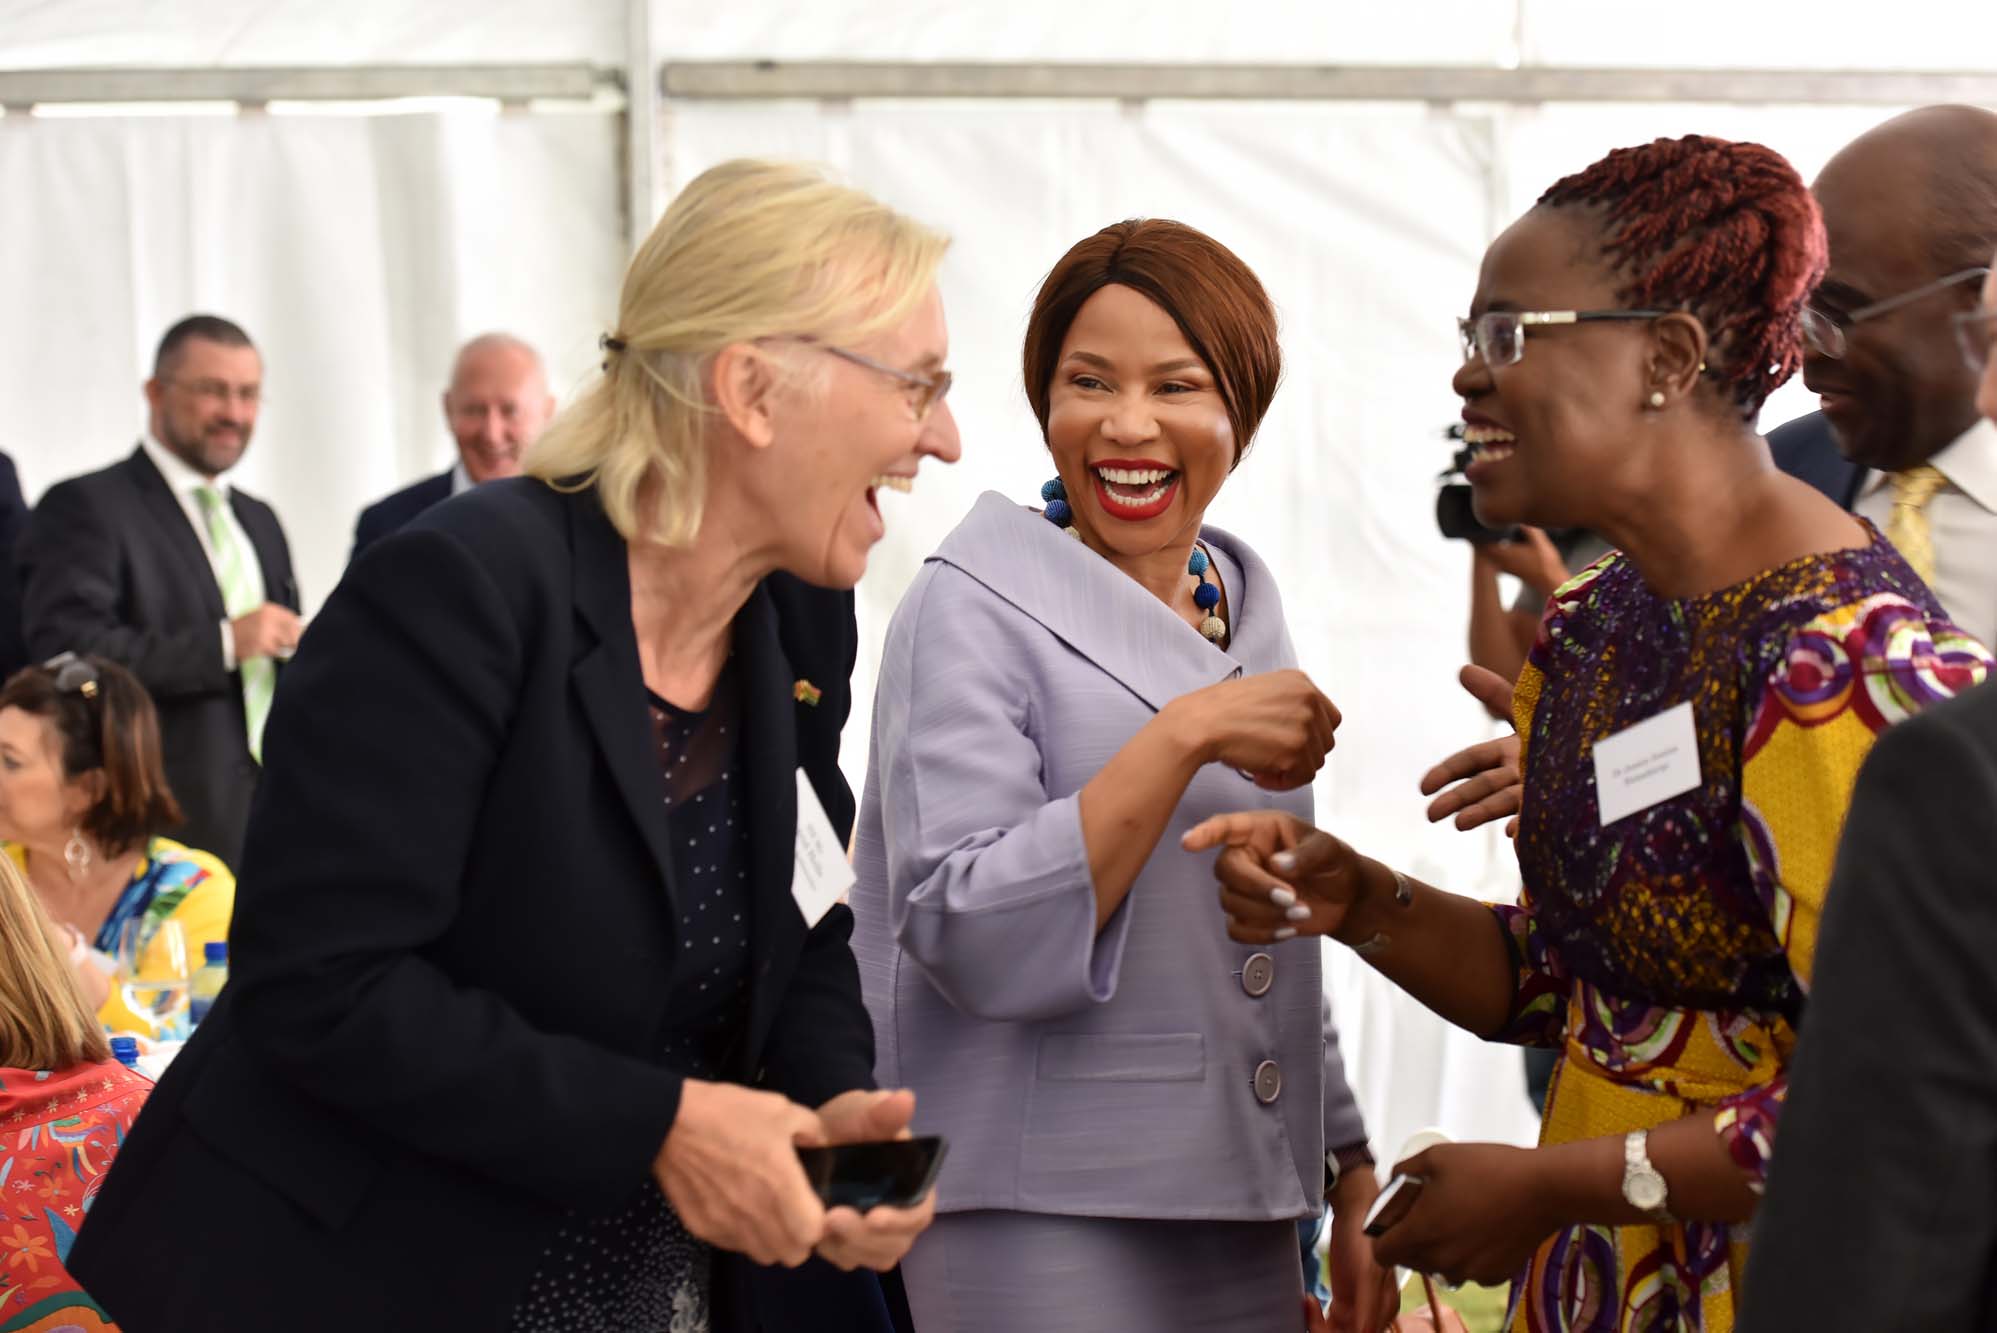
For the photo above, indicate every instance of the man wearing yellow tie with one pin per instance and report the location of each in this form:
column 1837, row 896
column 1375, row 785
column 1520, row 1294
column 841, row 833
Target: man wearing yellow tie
column 160, row 563
column 1911, row 211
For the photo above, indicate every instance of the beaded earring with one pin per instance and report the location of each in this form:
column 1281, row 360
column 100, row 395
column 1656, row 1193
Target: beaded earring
column 1206, row 597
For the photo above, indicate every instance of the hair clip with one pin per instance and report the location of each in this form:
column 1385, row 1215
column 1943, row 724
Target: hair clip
column 610, row 343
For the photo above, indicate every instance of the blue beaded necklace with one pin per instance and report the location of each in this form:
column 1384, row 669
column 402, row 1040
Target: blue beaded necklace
column 1206, row 597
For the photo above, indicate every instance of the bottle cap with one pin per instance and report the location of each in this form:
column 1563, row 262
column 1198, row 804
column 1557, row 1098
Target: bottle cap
column 216, row 951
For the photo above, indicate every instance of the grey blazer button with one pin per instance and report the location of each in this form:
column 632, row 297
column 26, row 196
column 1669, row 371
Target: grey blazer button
column 1268, row 1081
column 1258, row 974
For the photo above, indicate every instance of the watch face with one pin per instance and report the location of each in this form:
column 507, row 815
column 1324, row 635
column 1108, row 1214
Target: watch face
column 1645, row 1190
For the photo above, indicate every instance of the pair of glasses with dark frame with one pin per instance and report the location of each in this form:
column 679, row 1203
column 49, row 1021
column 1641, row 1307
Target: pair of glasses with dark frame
column 73, row 675
column 1498, row 336
column 1825, row 331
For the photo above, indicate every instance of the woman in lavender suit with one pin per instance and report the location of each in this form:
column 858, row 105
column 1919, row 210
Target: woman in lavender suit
column 1138, row 1110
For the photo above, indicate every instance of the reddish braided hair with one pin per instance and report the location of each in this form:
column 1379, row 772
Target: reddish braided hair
column 1725, row 230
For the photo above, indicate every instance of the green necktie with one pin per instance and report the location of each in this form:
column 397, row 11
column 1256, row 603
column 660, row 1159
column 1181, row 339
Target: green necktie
column 239, row 598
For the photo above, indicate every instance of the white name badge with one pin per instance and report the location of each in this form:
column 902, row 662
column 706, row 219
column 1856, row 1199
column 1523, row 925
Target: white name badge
column 821, row 874
column 1650, row 762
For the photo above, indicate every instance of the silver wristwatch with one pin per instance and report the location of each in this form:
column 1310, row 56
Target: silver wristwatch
column 1643, row 1187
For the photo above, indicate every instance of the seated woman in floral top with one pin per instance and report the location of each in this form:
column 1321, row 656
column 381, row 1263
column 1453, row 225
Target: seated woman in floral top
column 1692, row 718
column 65, row 1106
column 83, row 802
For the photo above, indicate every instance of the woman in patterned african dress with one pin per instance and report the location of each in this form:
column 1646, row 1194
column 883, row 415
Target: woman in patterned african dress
column 1691, row 720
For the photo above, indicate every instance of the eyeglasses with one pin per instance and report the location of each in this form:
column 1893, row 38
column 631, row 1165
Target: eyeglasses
column 216, row 391
column 1498, row 336
column 1825, row 332
column 1975, row 332
column 925, row 391
column 73, row 675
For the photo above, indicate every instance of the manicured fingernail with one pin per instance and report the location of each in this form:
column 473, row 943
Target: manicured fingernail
column 1286, row 932
column 1283, row 863
column 1281, row 896
column 1299, row 913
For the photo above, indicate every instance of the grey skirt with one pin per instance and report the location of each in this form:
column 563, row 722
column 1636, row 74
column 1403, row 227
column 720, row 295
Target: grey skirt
column 1003, row 1272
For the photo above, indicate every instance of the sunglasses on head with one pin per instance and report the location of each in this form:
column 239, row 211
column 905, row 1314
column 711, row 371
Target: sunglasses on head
column 73, row 675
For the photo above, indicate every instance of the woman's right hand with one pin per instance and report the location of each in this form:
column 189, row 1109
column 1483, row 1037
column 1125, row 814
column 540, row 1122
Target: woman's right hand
column 1486, row 779
column 1280, row 877
column 1275, row 727
column 729, row 1168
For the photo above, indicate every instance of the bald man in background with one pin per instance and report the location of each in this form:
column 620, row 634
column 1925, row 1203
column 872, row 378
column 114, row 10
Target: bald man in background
column 497, row 403
column 1911, row 212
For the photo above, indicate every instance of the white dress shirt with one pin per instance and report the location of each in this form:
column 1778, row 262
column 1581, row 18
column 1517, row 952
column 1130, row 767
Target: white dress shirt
column 184, row 481
column 1963, row 518
column 461, row 480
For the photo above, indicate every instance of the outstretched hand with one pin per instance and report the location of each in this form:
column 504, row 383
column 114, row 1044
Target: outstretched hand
column 1486, row 776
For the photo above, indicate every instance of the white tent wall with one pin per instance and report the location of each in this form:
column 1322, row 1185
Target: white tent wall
column 358, row 251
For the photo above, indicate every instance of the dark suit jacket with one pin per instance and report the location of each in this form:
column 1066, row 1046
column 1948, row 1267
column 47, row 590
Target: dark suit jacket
column 110, row 565
column 454, row 941
column 1881, row 1211
column 392, row 512
column 1806, row 450
column 13, row 521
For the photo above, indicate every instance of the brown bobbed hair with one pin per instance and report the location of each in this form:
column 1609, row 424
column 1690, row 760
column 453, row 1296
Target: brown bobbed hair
column 1215, row 299
column 112, row 727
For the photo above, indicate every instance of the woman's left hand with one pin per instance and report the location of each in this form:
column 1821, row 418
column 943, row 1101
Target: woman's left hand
column 878, row 1238
column 1364, row 1296
column 1481, row 1213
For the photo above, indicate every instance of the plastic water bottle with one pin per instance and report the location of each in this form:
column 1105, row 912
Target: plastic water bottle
column 125, row 1050
column 208, row 980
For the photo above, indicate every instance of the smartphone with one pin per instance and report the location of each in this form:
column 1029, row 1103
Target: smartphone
column 1392, row 1204
column 894, row 1172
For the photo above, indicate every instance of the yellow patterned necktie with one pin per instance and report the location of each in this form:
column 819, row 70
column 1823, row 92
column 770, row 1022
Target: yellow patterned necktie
column 1907, row 527
column 239, row 598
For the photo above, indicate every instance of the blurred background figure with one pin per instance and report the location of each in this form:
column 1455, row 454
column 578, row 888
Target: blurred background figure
column 161, row 564
column 495, row 407
column 1910, row 209
column 13, row 522
column 66, row 1106
column 84, row 803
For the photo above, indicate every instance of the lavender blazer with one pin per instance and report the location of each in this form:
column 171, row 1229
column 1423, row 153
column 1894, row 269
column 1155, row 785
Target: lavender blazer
column 1112, row 1074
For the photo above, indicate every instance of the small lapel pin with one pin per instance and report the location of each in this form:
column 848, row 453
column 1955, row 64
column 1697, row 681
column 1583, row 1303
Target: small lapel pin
column 806, row 693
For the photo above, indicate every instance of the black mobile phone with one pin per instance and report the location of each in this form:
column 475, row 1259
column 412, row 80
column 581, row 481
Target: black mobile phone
column 895, row 1172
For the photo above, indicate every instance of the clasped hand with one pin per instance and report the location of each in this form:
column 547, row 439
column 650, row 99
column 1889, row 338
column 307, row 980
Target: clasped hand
column 729, row 1168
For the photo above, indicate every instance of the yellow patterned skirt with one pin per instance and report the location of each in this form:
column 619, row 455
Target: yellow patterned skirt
column 1628, row 1067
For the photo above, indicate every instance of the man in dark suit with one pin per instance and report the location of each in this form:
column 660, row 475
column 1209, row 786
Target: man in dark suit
column 159, row 563
column 1807, row 450
column 1882, row 1200
column 13, row 518
column 497, row 403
